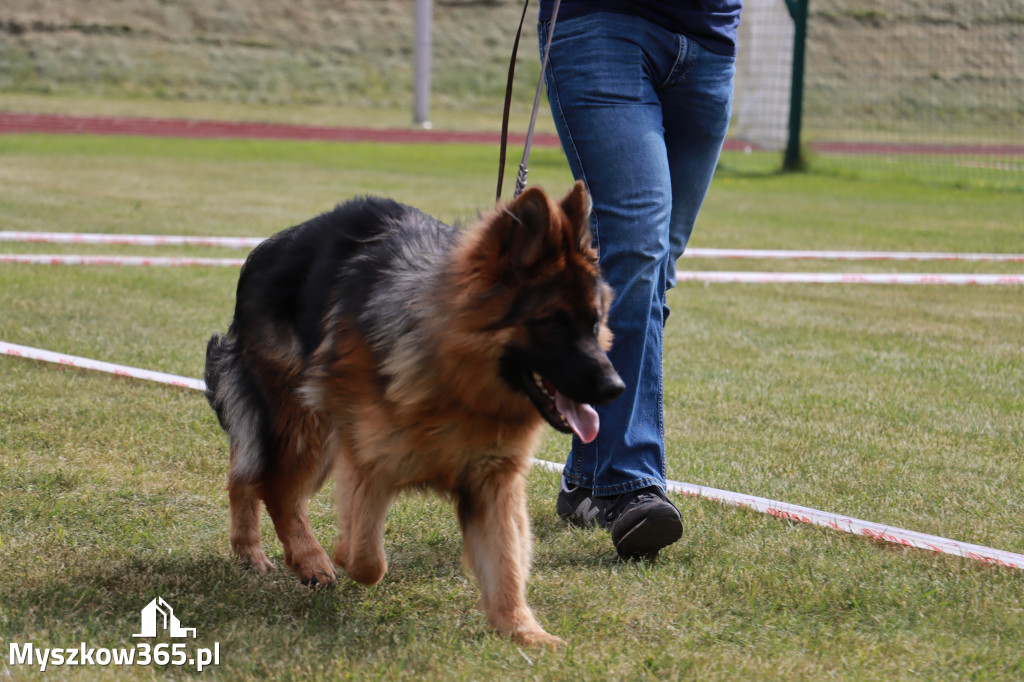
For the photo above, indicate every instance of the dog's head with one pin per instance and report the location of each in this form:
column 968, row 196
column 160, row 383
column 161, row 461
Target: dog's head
column 536, row 280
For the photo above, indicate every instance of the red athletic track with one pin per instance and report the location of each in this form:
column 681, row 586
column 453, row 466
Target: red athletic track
column 180, row 127
column 197, row 128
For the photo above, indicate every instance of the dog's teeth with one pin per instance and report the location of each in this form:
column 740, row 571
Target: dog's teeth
column 539, row 382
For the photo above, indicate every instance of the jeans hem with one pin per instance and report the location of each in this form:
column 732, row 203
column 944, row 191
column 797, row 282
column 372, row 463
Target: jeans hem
column 614, row 490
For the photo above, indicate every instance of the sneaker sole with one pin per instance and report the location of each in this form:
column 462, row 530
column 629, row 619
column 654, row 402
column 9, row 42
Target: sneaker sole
column 644, row 540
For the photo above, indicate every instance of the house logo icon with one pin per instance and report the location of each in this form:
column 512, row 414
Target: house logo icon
column 157, row 613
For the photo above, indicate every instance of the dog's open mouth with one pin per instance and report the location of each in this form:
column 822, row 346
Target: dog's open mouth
column 566, row 415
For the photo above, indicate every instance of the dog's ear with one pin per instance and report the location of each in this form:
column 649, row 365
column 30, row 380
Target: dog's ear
column 525, row 234
column 531, row 208
column 576, row 205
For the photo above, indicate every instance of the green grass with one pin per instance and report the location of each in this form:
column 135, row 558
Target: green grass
column 263, row 53
column 900, row 405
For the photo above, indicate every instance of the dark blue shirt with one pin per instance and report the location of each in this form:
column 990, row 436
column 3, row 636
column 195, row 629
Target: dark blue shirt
column 712, row 23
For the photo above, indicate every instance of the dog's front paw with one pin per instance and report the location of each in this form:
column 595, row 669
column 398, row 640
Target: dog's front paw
column 366, row 567
column 538, row 638
column 366, row 571
column 520, row 625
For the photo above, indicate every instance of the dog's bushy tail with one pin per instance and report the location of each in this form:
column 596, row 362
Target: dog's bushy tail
column 241, row 410
column 217, row 349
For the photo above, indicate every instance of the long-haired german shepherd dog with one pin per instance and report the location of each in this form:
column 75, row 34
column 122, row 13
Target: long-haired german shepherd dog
column 402, row 353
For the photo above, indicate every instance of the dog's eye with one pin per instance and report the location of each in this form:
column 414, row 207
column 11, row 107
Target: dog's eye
column 549, row 325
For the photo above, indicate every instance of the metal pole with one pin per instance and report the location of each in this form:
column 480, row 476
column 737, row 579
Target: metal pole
column 798, row 10
column 421, row 71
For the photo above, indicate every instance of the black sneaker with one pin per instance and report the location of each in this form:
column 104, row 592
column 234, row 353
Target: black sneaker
column 578, row 506
column 642, row 522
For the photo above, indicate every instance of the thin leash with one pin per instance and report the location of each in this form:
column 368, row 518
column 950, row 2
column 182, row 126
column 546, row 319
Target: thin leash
column 523, row 166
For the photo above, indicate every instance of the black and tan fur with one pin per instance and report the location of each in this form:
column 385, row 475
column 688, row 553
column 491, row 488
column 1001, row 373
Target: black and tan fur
column 377, row 344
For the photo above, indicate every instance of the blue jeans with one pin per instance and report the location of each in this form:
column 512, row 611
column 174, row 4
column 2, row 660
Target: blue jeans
column 641, row 113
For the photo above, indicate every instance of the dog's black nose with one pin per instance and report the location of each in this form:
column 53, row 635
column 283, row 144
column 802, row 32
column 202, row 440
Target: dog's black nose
column 610, row 388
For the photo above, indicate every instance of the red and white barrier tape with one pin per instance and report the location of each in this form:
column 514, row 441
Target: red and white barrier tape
column 720, row 276
column 130, row 239
column 151, row 261
column 99, row 366
column 786, row 254
column 709, row 276
column 783, row 510
column 816, row 517
column 693, row 252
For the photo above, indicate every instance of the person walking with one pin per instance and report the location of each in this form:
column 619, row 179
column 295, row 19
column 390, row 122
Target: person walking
column 640, row 92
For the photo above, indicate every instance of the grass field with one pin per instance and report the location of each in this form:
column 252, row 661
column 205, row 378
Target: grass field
column 900, row 405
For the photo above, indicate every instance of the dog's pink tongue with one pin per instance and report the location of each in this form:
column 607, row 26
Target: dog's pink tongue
column 582, row 418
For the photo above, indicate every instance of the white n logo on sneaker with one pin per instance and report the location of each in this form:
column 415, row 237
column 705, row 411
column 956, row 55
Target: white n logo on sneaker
column 587, row 511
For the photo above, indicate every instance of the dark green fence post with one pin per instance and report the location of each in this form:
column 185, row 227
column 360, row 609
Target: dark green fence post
column 798, row 10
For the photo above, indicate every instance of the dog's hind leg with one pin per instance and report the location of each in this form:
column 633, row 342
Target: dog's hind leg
column 232, row 392
column 363, row 504
column 286, row 497
column 245, row 526
column 496, row 544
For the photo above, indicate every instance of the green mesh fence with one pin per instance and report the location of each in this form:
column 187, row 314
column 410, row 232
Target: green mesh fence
column 915, row 88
